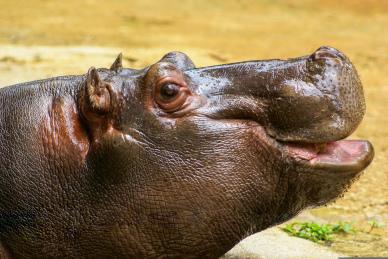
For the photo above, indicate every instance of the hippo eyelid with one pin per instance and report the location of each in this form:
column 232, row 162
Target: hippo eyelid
column 170, row 79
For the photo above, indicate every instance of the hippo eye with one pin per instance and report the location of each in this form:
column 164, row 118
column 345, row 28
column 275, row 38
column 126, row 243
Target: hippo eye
column 169, row 91
column 170, row 95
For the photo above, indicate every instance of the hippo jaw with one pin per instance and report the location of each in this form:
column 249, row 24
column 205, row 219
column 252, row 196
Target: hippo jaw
column 314, row 174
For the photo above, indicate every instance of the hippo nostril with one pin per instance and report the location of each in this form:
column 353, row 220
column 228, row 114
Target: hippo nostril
column 327, row 53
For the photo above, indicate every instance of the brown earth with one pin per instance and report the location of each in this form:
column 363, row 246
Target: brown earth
column 214, row 32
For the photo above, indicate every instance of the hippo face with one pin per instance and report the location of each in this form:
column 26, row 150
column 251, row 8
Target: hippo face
column 191, row 160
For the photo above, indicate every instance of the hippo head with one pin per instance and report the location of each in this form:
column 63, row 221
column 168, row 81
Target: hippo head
column 189, row 160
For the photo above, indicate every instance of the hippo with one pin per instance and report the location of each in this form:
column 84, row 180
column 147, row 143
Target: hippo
column 174, row 161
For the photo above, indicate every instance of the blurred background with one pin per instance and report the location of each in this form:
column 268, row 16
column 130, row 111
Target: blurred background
column 44, row 38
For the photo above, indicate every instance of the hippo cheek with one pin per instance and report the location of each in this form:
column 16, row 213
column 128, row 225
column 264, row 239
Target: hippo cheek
column 237, row 165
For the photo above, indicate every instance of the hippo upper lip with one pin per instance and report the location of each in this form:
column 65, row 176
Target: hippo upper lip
column 337, row 156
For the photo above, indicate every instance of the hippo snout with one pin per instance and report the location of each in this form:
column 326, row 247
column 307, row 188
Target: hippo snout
column 324, row 102
column 312, row 99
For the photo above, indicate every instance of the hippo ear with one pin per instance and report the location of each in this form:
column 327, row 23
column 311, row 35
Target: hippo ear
column 97, row 92
column 95, row 103
column 118, row 64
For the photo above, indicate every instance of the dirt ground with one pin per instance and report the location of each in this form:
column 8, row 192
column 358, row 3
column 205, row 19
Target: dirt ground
column 43, row 38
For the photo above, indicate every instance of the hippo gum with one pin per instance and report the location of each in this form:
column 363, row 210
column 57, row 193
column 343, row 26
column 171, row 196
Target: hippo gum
column 173, row 160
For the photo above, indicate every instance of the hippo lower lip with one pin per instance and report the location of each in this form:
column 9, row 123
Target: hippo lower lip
column 337, row 156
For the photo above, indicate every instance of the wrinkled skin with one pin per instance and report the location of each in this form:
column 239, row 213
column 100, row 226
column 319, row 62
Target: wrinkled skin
column 173, row 160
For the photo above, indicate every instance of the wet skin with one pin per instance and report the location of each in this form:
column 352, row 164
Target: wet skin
column 173, row 160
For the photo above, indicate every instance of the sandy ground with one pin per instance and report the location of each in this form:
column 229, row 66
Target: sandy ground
column 40, row 39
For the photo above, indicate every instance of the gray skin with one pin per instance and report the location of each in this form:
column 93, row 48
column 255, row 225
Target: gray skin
column 173, row 160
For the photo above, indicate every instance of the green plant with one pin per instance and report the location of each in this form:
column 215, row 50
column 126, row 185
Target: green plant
column 317, row 232
column 374, row 224
column 343, row 227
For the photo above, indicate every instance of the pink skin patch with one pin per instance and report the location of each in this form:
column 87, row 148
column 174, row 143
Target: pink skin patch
column 348, row 154
column 343, row 152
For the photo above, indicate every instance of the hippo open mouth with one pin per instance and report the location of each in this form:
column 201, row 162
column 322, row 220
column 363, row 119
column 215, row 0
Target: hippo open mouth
column 338, row 156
